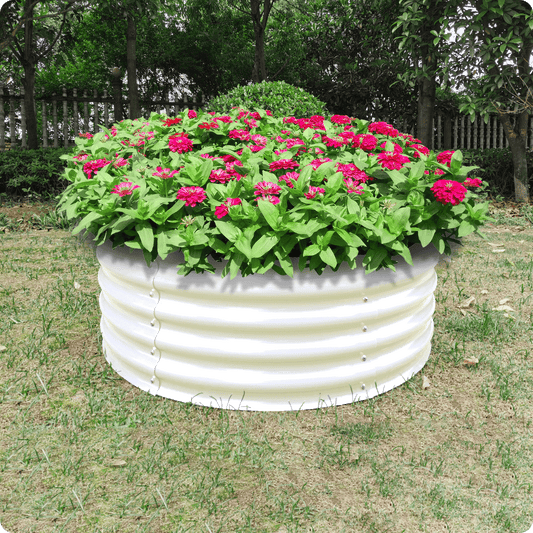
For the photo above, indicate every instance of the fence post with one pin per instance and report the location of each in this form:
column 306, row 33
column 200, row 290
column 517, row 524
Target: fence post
column 22, row 119
column 54, row 118
column 75, row 113
column 85, row 111
column 96, row 115
column 468, row 133
column 65, row 118
column 439, row 132
column 2, row 118
column 44, row 121
column 481, row 133
column 106, row 112
column 475, row 132
column 12, row 133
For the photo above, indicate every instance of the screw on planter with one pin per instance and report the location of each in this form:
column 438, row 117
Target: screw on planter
column 365, row 328
column 365, row 299
column 152, row 323
column 153, row 351
column 152, row 293
column 363, row 358
column 363, row 386
column 153, row 379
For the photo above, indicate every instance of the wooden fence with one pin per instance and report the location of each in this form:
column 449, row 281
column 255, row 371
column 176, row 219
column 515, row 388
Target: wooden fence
column 83, row 112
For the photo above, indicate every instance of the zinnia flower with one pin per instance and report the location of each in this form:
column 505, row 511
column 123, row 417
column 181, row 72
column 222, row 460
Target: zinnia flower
column 266, row 187
column 283, row 163
column 94, row 166
column 222, row 210
column 448, row 192
column 164, row 173
column 220, row 176
column 192, row 113
column 365, row 141
column 340, row 119
column 472, row 182
column 180, row 143
column 124, row 189
column 313, row 191
column 445, row 158
column 191, row 195
column 171, row 121
column 392, row 160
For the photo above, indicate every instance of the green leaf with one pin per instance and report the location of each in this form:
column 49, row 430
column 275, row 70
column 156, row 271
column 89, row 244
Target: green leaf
column 328, row 257
column 86, row 221
column 312, row 249
column 425, row 236
column 263, row 245
column 415, row 198
column 270, row 212
column 333, row 184
column 456, row 161
column 230, row 231
column 146, row 234
column 243, row 245
column 465, row 228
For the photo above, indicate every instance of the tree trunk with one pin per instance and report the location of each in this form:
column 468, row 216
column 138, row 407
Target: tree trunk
column 447, row 145
column 28, row 62
column 517, row 137
column 259, row 70
column 131, row 62
column 426, row 111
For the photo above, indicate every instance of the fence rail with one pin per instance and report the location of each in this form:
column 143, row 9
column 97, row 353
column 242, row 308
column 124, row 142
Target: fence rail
column 85, row 112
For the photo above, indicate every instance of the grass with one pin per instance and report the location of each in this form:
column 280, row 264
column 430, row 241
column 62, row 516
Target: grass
column 81, row 450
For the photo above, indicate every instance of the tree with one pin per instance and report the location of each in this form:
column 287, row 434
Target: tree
column 25, row 52
column 499, row 36
column 424, row 35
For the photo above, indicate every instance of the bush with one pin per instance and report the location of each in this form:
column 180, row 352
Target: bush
column 496, row 168
column 277, row 96
column 40, row 171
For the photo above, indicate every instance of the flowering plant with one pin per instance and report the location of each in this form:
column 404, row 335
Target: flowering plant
column 254, row 190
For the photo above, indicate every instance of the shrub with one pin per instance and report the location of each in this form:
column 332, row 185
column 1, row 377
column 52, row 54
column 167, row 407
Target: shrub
column 277, row 96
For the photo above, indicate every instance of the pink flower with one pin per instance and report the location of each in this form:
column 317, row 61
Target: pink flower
column 208, row 125
column 124, row 189
column 86, row 135
column 365, row 141
column 282, row 164
column 171, row 121
column 392, row 161
column 180, row 143
column 444, row 158
column 272, row 199
column 81, row 157
column 222, row 210
column 472, row 182
column 94, row 166
column 192, row 113
column 250, row 122
column 353, row 186
column 120, row 162
column 419, row 148
column 349, row 170
column 191, row 195
column 165, row 173
column 220, row 176
column 448, row 192
column 313, row 191
column 286, row 178
column 397, row 148
column 266, row 187
column 383, row 129
column 340, row 119
column 241, row 135
column 317, row 162
column 332, row 143
column 259, row 139
column 226, row 119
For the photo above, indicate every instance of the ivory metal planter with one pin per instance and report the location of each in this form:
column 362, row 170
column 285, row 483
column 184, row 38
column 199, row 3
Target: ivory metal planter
column 265, row 342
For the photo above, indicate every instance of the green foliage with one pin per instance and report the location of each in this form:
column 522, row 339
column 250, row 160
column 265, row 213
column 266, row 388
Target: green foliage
column 247, row 189
column 276, row 96
column 41, row 171
column 495, row 168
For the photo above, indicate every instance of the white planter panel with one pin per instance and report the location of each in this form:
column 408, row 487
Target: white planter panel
column 265, row 342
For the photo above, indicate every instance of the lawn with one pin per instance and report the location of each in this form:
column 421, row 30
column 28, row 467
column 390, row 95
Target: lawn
column 82, row 450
